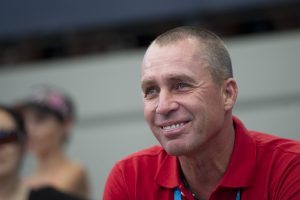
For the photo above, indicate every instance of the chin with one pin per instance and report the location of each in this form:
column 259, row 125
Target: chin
column 175, row 153
column 175, row 149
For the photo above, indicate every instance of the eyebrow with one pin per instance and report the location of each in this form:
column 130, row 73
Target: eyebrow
column 180, row 77
column 147, row 82
column 170, row 77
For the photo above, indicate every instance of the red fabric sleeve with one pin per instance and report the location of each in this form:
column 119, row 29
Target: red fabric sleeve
column 115, row 187
column 288, row 187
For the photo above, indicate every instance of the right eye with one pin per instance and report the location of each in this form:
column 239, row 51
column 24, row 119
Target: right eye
column 151, row 92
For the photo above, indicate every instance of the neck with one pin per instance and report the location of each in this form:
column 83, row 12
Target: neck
column 12, row 188
column 50, row 161
column 204, row 171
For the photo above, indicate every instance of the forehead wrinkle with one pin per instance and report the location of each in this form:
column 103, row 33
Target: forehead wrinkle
column 169, row 77
column 165, row 60
column 156, row 65
column 158, row 57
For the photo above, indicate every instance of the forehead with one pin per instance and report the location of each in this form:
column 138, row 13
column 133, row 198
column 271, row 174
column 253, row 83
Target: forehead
column 37, row 113
column 179, row 58
column 186, row 48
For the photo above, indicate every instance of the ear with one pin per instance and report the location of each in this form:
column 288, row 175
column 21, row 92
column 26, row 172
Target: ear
column 230, row 91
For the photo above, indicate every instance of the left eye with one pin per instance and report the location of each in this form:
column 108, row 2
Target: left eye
column 181, row 85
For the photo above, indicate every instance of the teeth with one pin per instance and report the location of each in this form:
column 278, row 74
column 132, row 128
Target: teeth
column 173, row 126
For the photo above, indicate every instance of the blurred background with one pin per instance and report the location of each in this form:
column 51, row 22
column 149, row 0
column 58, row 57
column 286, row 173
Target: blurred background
column 93, row 50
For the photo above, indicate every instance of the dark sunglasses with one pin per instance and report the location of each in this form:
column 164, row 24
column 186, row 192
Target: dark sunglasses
column 7, row 136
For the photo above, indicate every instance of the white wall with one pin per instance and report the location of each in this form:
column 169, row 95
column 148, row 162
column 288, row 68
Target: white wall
column 107, row 92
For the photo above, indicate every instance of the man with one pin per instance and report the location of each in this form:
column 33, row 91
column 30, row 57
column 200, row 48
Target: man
column 206, row 153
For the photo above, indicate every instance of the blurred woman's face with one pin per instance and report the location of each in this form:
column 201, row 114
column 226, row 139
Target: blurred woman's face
column 45, row 132
column 10, row 152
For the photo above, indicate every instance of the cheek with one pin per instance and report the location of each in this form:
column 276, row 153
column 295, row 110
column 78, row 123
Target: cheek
column 15, row 155
column 149, row 115
column 52, row 136
column 209, row 103
column 11, row 159
column 44, row 135
column 40, row 133
column 149, row 112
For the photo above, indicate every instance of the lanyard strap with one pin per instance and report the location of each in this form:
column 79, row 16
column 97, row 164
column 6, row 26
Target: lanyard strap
column 177, row 194
column 238, row 195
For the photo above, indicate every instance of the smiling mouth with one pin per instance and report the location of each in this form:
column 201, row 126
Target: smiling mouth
column 173, row 126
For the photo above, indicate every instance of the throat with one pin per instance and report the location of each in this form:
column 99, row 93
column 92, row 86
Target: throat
column 187, row 186
column 201, row 187
column 202, row 174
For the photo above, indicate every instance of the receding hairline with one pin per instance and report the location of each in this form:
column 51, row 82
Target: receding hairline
column 211, row 45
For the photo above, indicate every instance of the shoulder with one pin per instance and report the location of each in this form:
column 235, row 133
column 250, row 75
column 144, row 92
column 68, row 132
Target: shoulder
column 144, row 161
column 274, row 143
column 280, row 158
column 76, row 180
column 144, row 156
column 148, row 152
column 139, row 168
column 77, row 169
column 268, row 143
column 277, row 165
column 76, row 173
column 148, row 161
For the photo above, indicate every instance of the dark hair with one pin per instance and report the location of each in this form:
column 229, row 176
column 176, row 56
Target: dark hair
column 50, row 100
column 215, row 50
column 18, row 119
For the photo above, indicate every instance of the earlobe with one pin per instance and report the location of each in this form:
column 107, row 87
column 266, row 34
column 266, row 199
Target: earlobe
column 230, row 93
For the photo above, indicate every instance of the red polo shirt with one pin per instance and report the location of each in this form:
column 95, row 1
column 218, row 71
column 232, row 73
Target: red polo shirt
column 262, row 166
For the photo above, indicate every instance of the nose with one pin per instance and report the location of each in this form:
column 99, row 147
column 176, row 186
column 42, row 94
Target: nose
column 166, row 103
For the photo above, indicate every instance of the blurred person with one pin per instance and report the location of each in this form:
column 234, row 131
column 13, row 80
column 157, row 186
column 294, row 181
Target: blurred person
column 49, row 118
column 205, row 152
column 12, row 149
column 11, row 152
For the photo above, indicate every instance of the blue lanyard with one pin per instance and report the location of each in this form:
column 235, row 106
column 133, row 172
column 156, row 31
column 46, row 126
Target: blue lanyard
column 177, row 194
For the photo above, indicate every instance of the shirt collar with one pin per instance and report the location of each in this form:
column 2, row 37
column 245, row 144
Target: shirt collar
column 239, row 173
column 168, row 175
column 241, row 168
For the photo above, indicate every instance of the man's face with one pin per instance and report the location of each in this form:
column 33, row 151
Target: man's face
column 183, row 106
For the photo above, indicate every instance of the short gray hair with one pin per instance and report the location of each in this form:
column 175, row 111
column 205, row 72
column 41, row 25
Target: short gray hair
column 216, row 52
